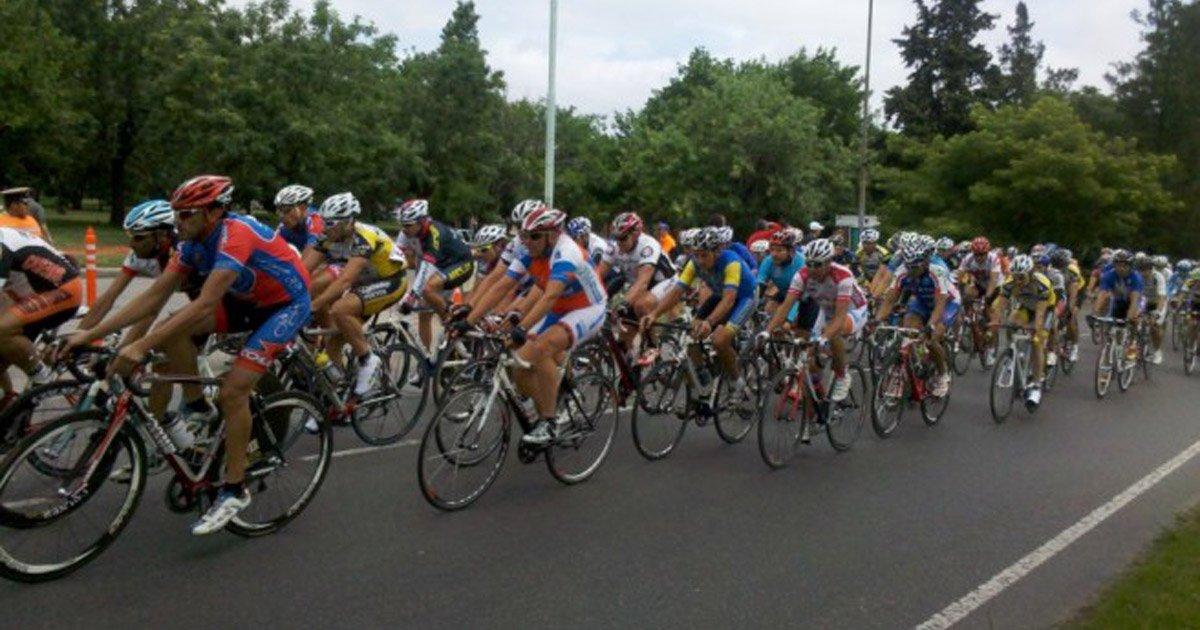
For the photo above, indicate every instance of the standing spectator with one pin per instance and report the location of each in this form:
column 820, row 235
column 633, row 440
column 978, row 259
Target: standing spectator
column 19, row 208
column 665, row 239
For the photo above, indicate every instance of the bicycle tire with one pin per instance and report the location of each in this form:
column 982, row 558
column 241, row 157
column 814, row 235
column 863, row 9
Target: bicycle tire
column 436, row 449
column 653, row 415
column 844, row 423
column 588, row 423
column 15, row 522
column 371, row 422
column 962, row 350
column 1002, row 398
column 1125, row 371
column 1102, row 379
column 273, row 433
column 885, row 419
column 779, row 414
column 1189, row 358
column 733, row 425
column 17, row 419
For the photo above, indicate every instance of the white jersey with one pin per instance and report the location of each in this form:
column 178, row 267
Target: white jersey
column 982, row 267
column 1156, row 285
column 600, row 250
column 137, row 267
column 514, row 250
column 646, row 251
column 839, row 285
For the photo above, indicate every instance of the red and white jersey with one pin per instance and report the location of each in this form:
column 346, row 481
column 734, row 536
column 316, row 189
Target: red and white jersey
column 839, row 285
column 646, row 251
column 982, row 267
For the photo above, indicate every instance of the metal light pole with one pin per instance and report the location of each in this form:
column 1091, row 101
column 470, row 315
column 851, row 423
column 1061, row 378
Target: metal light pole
column 866, row 113
column 551, row 108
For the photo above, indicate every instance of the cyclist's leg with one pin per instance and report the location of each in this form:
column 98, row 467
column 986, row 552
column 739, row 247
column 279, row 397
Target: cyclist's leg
column 940, row 358
column 31, row 315
column 181, row 356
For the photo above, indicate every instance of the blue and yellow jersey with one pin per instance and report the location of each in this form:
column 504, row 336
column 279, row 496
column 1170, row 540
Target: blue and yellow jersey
column 728, row 272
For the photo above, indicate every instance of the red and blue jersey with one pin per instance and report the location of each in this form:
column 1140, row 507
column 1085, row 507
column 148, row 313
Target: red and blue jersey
column 269, row 270
column 305, row 234
column 566, row 264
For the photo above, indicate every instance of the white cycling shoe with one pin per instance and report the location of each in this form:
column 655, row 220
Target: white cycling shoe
column 222, row 511
column 841, row 388
column 366, row 375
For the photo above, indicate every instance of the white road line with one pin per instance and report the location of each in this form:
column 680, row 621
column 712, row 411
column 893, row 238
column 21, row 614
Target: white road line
column 955, row 612
column 365, row 449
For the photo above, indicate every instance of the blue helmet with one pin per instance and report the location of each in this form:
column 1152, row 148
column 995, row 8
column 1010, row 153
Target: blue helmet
column 150, row 215
column 579, row 226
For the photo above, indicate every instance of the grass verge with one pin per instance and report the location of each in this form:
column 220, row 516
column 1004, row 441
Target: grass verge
column 1160, row 590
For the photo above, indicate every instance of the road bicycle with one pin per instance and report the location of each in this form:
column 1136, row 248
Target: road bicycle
column 466, row 442
column 1012, row 373
column 60, row 508
column 796, row 403
column 1118, row 356
column 676, row 389
column 905, row 368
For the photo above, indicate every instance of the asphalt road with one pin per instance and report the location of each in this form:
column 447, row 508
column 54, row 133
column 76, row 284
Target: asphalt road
column 882, row 536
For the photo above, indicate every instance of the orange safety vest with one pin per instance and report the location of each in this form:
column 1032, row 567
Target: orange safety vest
column 28, row 224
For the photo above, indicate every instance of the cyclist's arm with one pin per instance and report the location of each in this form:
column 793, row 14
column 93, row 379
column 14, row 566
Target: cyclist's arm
column 841, row 309
column 1100, row 306
column 602, row 268
column 999, row 309
column 337, row 288
column 1135, row 298
column 105, row 302
column 526, row 302
column 667, row 302
column 781, row 311
column 889, row 301
column 728, row 297
column 883, row 278
column 640, row 284
column 488, row 301
column 312, row 258
column 939, row 307
column 486, row 282
column 195, row 313
column 148, row 304
column 1039, row 314
column 538, row 311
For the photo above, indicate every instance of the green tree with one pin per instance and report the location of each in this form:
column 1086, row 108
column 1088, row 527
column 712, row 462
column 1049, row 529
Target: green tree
column 949, row 70
column 1030, row 174
column 1020, row 59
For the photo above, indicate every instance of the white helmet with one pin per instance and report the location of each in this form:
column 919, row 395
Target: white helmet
column 521, row 210
column 818, row 251
column 760, row 246
column 150, row 215
column 543, row 219
column 945, row 243
column 687, row 238
column 340, row 207
column 412, row 211
column 815, row 226
column 708, row 239
column 870, row 235
column 292, row 195
column 1023, row 263
column 488, row 235
column 724, row 235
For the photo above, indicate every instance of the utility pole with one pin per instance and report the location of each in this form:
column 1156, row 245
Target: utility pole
column 866, row 127
column 551, row 108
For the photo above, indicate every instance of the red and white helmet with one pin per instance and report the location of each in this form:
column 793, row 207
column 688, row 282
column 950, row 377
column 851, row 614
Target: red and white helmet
column 203, row 191
column 544, row 219
column 522, row 210
column 980, row 245
column 625, row 223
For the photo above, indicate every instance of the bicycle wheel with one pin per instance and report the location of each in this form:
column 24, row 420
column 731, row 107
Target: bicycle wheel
column 889, row 400
column 389, row 414
column 287, row 462
column 1096, row 332
column 36, row 407
column 1125, row 368
column 585, row 441
column 1104, row 369
column 845, row 420
column 934, row 407
column 781, row 420
column 735, row 410
column 463, row 448
column 962, row 349
column 1176, row 332
column 50, row 525
column 660, row 410
column 1003, row 392
column 1190, row 350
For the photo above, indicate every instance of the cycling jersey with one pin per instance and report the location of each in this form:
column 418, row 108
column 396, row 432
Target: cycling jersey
column 566, row 264
column 135, row 266
column 1119, row 287
column 384, row 258
column 1058, row 281
column 646, row 251
column 779, row 275
column 27, row 261
column 268, row 270
column 1156, row 286
column 442, row 247
column 745, row 254
column 307, row 233
column 729, row 272
column 1036, row 290
column 870, row 262
column 894, row 264
column 982, row 268
column 926, row 288
column 599, row 250
column 839, row 285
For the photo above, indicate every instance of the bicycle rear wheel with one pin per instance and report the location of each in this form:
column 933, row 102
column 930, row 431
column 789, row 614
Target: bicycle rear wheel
column 1125, row 368
column 1003, row 392
column 1104, row 370
column 890, row 400
column 584, row 443
column 781, row 420
column 387, row 415
column 736, row 409
column 288, row 461
column 962, row 349
column 845, row 420
column 50, row 525
column 463, row 448
column 660, row 410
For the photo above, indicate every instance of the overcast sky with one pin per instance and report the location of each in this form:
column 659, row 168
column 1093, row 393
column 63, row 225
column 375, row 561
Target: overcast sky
column 614, row 53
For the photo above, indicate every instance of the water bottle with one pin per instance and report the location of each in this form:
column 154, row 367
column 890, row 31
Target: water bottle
column 331, row 370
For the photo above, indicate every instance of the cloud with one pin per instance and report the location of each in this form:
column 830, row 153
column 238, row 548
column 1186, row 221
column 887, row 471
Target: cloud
column 614, row 53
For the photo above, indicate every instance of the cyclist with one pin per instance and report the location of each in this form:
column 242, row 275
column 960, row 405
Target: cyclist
column 759, row 249
column 1156, row 302
column 510, row 252
column 600, row 251
column 1058, row 282
column 299, row 223
column 1120, row 289
column 870, row 257
column 730, row 306
column 842, row 304
column 931, row 302
column 253, row 281
column 486, row 247
column 648, row 272
column 372, row 279
column 841, row 255
column 46, row 292
column 446, row 262
column 570, row 310
column 1032, row 299
column 1073, row 279
column 947, row 251
column 777, row 270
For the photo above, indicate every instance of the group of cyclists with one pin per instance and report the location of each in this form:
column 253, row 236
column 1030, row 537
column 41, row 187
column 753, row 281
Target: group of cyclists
column 544, row 280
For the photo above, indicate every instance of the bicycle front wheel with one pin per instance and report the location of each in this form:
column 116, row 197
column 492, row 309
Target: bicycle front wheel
column 386, row 416
column 660, row 410
column 58, row 509
column 781, row 420
column 463, row 448
column 889, row 400
column 1003, row 392
column 737, row 409
column 288, row 458
column 845, row 420
column 1104, row 370
column 1190, row 351
column 585, row 441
